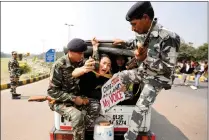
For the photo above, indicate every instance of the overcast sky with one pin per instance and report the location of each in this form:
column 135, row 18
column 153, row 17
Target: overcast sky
column 38, row 26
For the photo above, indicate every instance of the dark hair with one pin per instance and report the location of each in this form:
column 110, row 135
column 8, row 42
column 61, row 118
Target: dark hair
column 104, row 55
column 125, row 58
column 14, row 52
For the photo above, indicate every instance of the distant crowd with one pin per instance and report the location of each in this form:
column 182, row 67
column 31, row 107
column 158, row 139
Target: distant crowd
column 188, row 68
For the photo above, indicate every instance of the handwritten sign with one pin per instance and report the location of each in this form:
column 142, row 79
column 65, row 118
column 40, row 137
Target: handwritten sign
column 111, row 95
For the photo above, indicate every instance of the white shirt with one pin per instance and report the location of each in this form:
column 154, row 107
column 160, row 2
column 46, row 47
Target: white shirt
column 187, row 67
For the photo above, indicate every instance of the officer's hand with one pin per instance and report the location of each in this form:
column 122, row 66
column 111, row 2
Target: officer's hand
column 85, row 101
column 141, row 52
column 95, row 43
column 51, row 103
column 78, row 100
column 118, row 42
column 89, row 65
column 90, row 62
column 123, row 88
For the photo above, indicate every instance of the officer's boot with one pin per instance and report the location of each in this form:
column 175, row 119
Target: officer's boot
column 16, row 93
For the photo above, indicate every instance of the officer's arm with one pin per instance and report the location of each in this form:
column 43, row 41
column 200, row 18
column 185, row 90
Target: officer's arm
column 167, row 56
column 55, row 86
column 9, row 66
column 95, row 54
column 131, row 44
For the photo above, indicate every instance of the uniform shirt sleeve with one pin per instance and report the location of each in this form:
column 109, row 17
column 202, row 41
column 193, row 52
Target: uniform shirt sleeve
column 9, row 66
column 131, row 44
column 95, row 55
column 55, row 86
column 166, row 58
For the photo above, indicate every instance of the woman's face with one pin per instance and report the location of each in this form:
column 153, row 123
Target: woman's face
column 120, row 61
column 104, row 65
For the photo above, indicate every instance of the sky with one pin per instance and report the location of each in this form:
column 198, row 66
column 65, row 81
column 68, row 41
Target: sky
column 36, row 27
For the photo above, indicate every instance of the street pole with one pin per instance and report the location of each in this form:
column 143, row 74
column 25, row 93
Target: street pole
column 69, row 25
column 43, row 41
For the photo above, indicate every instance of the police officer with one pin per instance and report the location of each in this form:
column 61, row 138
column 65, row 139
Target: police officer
column 64, row 86
column 14, row 71
column 156, row 62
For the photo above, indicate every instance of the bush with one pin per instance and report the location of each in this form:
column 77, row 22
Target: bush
column 34, row 75
column 24, row 67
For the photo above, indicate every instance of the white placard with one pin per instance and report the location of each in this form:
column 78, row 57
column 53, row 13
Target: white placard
column 111, row 95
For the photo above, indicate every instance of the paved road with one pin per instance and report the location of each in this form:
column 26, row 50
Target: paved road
column 179, row 114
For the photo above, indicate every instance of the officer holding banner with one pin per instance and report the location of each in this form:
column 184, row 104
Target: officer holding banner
column 156, row 61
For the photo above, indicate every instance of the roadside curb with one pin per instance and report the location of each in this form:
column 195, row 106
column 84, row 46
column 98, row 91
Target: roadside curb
column 191, row 78
column 24, row 82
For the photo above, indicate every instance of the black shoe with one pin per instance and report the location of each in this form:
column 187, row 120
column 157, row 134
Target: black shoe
column 14, row 96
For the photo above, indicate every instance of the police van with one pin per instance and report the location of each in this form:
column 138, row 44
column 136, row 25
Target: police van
column 119, row 115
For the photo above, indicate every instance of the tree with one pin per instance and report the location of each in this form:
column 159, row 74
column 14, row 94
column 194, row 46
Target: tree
column 5, row 55
column 187, row 52
column 59, row 54
column 202, row 52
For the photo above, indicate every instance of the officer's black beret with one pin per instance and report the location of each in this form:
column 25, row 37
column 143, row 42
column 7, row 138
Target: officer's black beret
column 137, row 10
column 77, row 45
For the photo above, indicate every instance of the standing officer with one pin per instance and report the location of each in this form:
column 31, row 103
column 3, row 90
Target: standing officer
column 14, row 71
column 157, row 62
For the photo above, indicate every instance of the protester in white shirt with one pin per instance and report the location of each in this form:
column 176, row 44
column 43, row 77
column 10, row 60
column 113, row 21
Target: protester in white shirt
column 199, row 69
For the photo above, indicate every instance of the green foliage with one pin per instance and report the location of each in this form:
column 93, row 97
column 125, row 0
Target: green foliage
column 186, row 52
column 34, row 59
column 5, row 55
column 202, row 52
column 190, row 53
column 59, row 54
column 24, row 67
column 34, row 75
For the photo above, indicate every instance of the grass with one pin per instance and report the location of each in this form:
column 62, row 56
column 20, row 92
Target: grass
column 4, row 70
column 5, row 73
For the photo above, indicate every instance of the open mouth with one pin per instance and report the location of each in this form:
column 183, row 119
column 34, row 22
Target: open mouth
column 104, row 71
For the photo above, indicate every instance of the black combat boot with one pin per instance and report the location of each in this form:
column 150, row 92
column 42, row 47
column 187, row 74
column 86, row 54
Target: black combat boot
column 16, row 93
column 16, row 96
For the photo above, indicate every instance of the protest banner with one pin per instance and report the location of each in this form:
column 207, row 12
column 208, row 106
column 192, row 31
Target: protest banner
column 111, row 94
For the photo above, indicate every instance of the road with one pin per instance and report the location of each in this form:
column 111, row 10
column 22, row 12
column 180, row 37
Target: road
column 178, row 114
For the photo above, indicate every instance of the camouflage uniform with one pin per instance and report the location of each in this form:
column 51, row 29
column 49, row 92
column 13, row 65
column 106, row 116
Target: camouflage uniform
column 14, row 71
column 63, row 87
column 92, row 112
column 155, row 71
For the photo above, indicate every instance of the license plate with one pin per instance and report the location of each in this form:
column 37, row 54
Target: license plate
column 119, row 120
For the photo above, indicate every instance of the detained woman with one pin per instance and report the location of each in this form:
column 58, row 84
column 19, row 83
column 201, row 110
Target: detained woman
column 91, row 83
